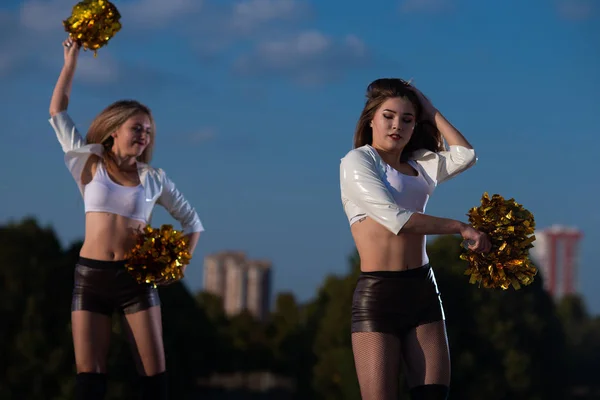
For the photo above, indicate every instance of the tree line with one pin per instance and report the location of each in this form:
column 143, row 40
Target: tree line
column 504, row 344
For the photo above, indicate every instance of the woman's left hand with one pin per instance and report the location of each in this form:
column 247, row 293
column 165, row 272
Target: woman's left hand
column 429, row 110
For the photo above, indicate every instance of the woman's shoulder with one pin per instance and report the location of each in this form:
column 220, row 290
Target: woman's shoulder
column 154, row 173
column 360, row 154
column 81, row 155
column 422, row 155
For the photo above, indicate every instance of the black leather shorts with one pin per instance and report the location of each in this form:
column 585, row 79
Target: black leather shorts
column 396, row 301
column 106, row 286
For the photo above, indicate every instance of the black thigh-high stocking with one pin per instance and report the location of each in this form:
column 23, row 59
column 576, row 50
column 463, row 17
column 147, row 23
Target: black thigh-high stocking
column 426, row 358
column 154, row 387
column 377, row 362
column 429, row 392
column 90, row 386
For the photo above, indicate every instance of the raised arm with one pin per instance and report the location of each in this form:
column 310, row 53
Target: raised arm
column 62, row 90
column 459, row 157
column 64, row 127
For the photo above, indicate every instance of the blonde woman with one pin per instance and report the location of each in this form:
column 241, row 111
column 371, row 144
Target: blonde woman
column 119, row 189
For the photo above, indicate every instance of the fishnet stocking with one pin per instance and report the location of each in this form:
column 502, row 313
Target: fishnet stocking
column 423, row 352
column 425, row 355
column 377, row 361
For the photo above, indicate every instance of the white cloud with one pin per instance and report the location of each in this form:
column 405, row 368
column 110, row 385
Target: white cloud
column 36, row 39
column 215, row 29
column 576, row 10
column 47, row 15
column 355, row 45
column 430, row 6
column 221, row 26
column 250, row 14
column 309, row 57
column 44, row 16
column 202, row 135
column 157, row 13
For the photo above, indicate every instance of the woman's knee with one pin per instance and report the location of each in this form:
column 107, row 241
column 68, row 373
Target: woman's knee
column 144, row 330
column 89, row 360
column 90, row 367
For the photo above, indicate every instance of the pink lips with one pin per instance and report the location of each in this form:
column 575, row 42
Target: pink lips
column 395, row 136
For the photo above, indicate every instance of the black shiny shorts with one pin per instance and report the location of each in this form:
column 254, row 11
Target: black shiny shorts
column 396, row 301
column 106, row 286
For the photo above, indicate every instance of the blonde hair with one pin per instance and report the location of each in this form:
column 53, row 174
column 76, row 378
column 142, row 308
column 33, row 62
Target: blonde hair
column 111, row 119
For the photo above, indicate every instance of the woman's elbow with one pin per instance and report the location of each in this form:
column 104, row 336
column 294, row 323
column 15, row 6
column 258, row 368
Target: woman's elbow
column 56, row 110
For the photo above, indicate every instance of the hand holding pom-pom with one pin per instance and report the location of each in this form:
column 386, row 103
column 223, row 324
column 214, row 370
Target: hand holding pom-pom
column 93, row 23
column 159, row 256
column 510, row 228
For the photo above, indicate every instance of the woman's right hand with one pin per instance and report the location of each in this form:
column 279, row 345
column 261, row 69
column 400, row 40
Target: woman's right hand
column 71, row 50
column 477, row 241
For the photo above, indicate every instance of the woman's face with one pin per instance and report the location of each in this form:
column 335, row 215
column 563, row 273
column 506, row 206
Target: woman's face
column 133, row 137
column 393, row 124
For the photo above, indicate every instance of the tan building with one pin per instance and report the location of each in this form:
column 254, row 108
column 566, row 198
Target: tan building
column 215, row 266
column 241, row 283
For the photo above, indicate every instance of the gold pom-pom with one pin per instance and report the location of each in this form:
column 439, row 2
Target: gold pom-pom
column 158, row 256
column 93, row 23
column 510, row 228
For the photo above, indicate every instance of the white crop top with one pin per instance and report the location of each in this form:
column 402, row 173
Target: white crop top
column 370, row 187
column 409, row 192
column 102, row 194
column 156, row 186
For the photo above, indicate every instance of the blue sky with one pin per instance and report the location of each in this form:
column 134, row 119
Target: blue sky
column 256, row 102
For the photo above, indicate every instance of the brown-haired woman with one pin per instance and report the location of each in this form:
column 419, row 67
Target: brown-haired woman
column 119, row 190
column 386, row 180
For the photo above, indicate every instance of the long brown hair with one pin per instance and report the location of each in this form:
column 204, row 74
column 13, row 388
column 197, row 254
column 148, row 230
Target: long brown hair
column 111, row 119
column 425, row 135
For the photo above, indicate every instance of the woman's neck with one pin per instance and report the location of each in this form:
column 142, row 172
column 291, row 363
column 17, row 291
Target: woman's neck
column 124, row 163
column 390, row 157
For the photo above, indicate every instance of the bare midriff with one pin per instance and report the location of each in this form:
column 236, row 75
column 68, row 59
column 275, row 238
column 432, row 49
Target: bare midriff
column 381, row 250
column 108, row 237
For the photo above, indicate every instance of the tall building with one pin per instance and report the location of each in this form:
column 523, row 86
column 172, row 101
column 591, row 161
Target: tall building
column 242, row 284
column 556, row 254
column 234, row 299
column 214, row 270
column 259, row 288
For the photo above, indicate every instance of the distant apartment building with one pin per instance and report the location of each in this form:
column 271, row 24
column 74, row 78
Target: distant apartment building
column 556, row 254
column 258, row 288
column 243, row 284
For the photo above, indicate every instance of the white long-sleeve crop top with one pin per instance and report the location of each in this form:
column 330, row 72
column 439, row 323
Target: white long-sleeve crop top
column 369, row 186
column 157, row 187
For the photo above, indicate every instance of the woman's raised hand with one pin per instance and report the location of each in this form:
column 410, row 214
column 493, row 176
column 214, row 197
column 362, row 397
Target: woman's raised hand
column 71, row 50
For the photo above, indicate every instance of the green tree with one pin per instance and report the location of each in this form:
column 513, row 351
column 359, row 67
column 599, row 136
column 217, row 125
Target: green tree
column 583, row 334
column 292, row 344
column 334, row 374
column 504, row 344
column 34, row 305
column 35, row 338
